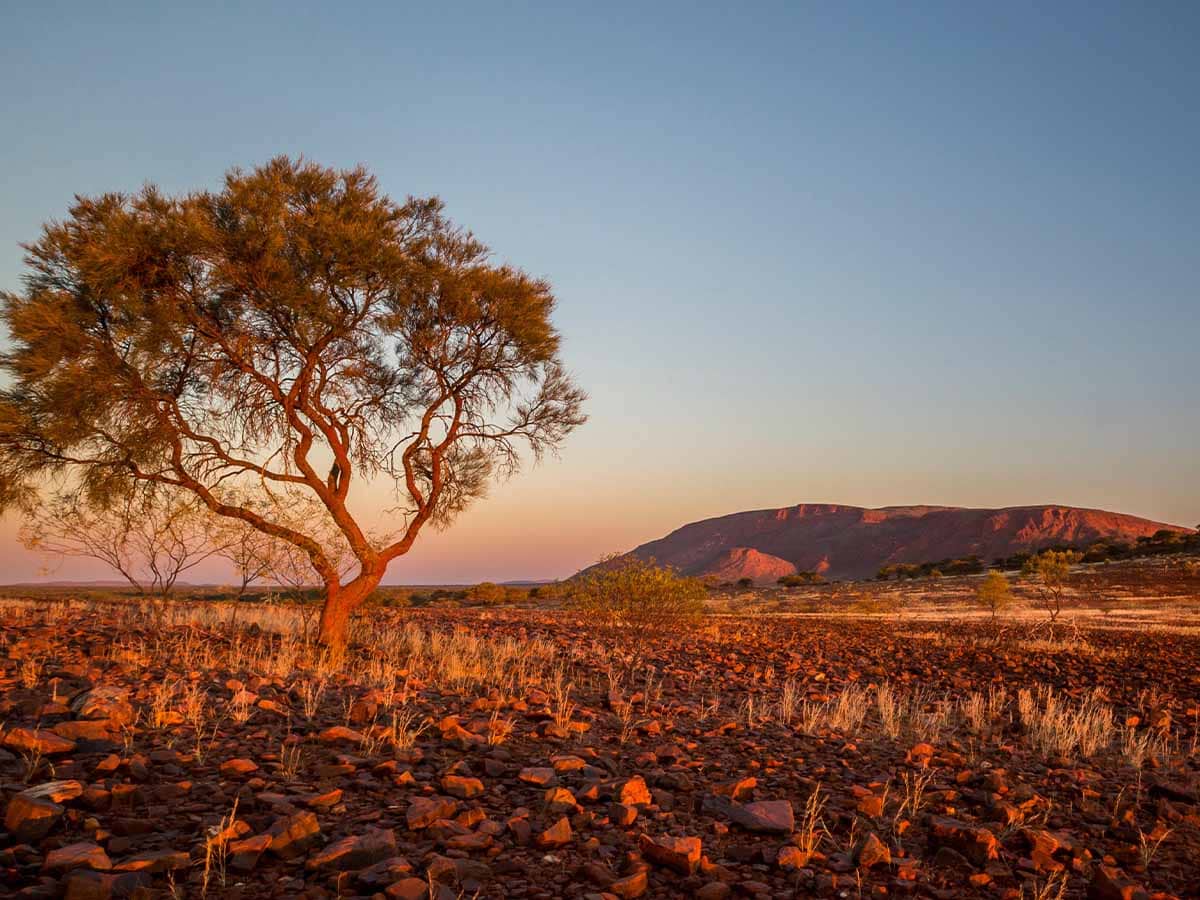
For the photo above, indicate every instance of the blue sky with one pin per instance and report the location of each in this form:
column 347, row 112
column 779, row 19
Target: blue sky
column 836, row 252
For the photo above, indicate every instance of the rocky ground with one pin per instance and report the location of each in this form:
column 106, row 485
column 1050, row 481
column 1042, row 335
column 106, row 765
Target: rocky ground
column 520, row 754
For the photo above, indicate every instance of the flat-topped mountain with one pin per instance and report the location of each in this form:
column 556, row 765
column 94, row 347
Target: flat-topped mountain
column 853, row 542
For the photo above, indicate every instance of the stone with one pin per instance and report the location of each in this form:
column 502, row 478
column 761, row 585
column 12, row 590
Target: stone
column 355, row 851
column 682, row 854
column 791, row 857
column 154, row 861
column 234, row 768
column 461, row 787
column 244, row 854
column 83, row 855
column 633, row 792
column 540, row 777
column 557, row 835
column 1109, row 883
column 978, row 845
column 424, row 811
column 104, row 702
column 763, row 816
column 558, row 800
column 630, row 886
column 871, row 851
column 385, row 872
column 340, row 734
column 29, row 819
column 292, row 835
column 35, row 740
column 408, row 889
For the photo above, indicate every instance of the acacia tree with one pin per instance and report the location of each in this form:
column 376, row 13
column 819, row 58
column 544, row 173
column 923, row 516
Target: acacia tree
column 148, row 538
column 296, row 328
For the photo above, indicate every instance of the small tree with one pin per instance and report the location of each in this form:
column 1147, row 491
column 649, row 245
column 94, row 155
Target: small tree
column 1050, row 572
column 149, row 537
column 297, row 329
column 994, row 593
column 637, row 597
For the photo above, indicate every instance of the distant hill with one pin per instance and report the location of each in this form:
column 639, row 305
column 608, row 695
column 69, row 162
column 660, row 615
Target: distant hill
column 847, row 542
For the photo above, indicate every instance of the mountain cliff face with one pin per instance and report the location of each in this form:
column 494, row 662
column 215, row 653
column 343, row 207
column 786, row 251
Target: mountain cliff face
column 853, row 542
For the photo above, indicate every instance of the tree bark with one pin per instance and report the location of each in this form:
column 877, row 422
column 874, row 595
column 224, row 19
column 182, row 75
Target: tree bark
column 340, row 602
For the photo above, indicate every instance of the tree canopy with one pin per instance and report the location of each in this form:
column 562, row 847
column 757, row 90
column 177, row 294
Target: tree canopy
column 296, row 330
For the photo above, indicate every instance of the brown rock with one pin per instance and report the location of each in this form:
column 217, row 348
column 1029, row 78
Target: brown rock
column 83, row 855
column 630, row 886
column 791, row 857
column 292, row 835
column 32, row 740
column 976, row 844
column 234, row 768
column 244, row 854
column 424, row 811
column 408, row 889
column 541, row 777
column 104, row 702
column 871, row 851
column 1109, row 883
column 154, row 861
column 679, row 853
column 29, row 819
column 340, row 734
column 355, row 851
column 462, row 788
column 633, row 792
column 557, row 835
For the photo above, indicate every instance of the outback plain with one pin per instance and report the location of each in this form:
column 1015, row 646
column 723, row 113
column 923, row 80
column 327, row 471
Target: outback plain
column 840, row 740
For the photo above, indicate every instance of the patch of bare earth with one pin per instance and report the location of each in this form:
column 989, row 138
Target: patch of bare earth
column 522, row 754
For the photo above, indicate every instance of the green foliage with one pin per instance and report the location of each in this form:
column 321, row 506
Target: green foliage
column 214, row 340
column 637, row 596
column 969, row 565
column 1050, row 571
column 994, row 593
column 800, row 579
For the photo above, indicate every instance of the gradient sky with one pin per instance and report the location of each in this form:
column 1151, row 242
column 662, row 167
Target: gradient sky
column 826, row 252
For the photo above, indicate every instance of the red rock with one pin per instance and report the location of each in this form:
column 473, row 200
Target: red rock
column 538, row 777
column 679, row 853
column 85, row 730
column 622, row 814
column 385, row 872
column 558, row 800
column 83, row 855
column 408, row 889
column 244, row 854
column 771, row 816
column 355, row 851
column 633, row 792
column 791, row 857
column 32, row 740
column 738, row 789
column 54, row 791
column 29, row 819
column 630, row 886
column 154, row 861
column 87, row 884
column 871, row 851
column 1109, row 884
column 234, row 768
column 104, row 702
column 714, row 890
column 557, row 835
column 424, row 811
column 340, row 734
column 871, row 806
column 976, row 844
column 461, row 787
column 292, row 835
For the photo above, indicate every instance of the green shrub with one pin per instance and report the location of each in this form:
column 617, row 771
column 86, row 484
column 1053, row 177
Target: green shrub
column 637, row 596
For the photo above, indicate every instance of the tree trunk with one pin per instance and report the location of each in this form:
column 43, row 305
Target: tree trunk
column 340, row 602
